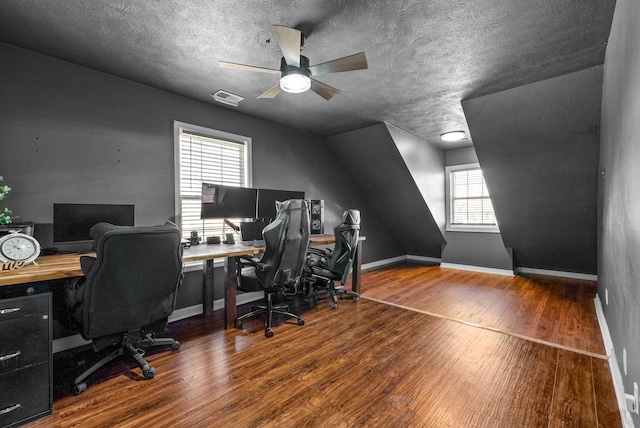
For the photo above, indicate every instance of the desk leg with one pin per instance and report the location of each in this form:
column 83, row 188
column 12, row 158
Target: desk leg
column 230, row 310
column 355, row 272
column 207, row 287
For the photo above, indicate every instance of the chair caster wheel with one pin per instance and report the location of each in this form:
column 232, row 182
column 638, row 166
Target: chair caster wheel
column 268, row 332
column 149, row 373
column 300, row 321
column 175, row 346
column 334, row 306
column 356, row 299
column 238, row 325
column 79, row 388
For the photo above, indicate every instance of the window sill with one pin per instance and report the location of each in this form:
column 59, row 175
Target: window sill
column 474, row 229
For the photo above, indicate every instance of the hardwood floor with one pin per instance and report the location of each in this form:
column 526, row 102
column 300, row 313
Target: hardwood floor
column 557, row 311
column 372, row 364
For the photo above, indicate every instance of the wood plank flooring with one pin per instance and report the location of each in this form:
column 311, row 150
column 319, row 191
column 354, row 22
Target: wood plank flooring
column 551, row 310
column 371, row 364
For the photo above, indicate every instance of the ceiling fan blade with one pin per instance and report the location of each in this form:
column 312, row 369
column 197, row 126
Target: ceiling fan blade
column 234, row 66
column 325, row 91
column 348, row 63
column 289, row 40
column 271, row 92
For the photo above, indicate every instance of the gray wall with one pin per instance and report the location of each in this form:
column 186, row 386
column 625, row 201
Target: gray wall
column 538, row 148
column 619, row 193
column 379, row 169
column 474, row 248
column 72, row 134
column 425, row 164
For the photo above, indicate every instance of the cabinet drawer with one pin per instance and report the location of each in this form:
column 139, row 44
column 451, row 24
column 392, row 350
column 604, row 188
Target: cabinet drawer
column 21, row 306
column 24, row 341
column 25, row 332
column 25, row 395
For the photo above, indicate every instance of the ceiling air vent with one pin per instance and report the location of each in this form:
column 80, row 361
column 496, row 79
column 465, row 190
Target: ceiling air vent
column 225, row 97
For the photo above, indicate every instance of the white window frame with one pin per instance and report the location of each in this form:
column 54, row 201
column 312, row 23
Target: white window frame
column 215, row 134
column 448, row 194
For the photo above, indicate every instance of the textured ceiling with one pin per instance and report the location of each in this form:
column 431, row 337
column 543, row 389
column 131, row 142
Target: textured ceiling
column 424, row 56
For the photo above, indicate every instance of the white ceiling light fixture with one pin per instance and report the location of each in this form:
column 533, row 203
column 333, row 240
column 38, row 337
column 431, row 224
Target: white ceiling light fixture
column 295, row 79
column 453, row 136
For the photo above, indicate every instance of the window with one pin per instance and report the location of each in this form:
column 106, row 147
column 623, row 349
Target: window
column 210, row 156
column 469, row 205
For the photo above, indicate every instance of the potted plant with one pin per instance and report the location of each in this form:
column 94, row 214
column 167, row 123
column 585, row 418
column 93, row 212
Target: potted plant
column 5, row 214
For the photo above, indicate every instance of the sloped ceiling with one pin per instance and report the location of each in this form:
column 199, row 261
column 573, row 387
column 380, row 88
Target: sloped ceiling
column 424, row 56
column 538, row 148
column 374, row 158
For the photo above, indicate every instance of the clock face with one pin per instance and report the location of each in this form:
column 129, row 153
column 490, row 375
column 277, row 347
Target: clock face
column 19, row 247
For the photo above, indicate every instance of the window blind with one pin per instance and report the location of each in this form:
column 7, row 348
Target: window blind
column 470, row 202
column 206, row 159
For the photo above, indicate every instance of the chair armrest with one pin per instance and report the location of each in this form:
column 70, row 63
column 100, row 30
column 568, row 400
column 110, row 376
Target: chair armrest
column 319, row 252
column 317, row 257
column 256, row 263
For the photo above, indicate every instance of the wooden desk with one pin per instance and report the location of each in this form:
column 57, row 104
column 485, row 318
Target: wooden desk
column 208, row 254
column 68, row 265
column 231, row 253
column 45, row 268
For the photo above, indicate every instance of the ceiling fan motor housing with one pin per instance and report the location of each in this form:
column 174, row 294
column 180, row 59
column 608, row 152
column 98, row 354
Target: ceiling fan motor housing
column 286, row 69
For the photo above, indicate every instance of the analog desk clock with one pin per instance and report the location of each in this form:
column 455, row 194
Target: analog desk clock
column 19, row 247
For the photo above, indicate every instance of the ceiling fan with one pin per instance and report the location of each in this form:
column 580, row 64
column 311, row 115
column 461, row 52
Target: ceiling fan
column 295, row 73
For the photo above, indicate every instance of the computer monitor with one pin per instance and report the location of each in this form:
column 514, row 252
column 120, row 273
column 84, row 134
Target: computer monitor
column 72, row 222
column 267, row 200
column 252, row 230
column 220, row 201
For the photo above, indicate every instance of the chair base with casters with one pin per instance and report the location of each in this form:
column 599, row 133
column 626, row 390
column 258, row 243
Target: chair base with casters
column 133, row 345
column 268, row 310
column 316, row 286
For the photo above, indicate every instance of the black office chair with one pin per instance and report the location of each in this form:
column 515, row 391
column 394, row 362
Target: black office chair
column 129, row 291
column 279, row 267
column 326, row 266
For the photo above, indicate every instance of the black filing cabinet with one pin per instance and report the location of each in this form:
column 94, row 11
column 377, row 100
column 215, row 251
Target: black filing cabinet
column 25, row 359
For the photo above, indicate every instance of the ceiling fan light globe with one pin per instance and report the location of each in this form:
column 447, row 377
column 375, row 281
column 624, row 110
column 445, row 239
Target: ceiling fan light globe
column 295, row 83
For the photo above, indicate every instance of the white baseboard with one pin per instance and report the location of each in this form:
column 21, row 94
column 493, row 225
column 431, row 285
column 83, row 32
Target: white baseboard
column 182, row 313
column 481, row 269
column 241, row 299
column 616, row 375
column 390, row 261
column 560, row 274
column 424, row 259
column 384, row 262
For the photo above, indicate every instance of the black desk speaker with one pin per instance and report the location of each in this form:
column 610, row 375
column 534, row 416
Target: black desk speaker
column 316, row 216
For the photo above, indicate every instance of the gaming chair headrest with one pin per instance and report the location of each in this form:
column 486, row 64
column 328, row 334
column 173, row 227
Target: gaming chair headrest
column 351, row 217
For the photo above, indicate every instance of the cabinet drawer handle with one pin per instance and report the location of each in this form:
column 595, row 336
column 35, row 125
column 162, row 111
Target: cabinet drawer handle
column 8, row 310
column 10, row 409
column 9, row 356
